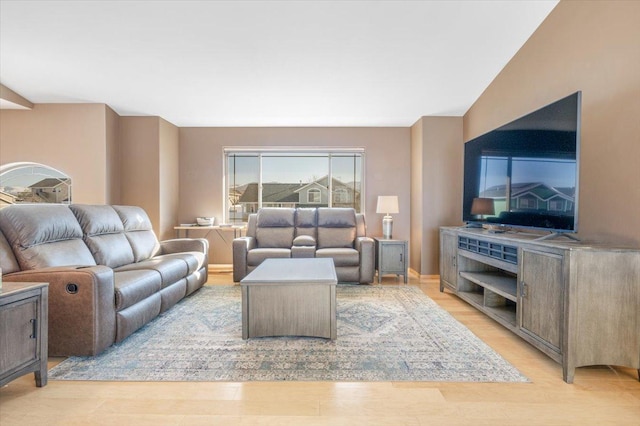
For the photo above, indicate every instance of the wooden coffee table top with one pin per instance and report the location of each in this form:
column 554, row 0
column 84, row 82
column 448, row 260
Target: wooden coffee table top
column 293, row 271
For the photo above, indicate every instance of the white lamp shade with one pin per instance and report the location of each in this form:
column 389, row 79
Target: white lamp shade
column 387, row 204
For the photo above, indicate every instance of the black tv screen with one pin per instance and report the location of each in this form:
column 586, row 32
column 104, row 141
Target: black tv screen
column 525, row 173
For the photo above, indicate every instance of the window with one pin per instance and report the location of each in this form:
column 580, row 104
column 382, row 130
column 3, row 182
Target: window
column 33, row 183
column 340, row 196
column 314, row 196
column 527, row 203
column 556, row 205
column 291, row 178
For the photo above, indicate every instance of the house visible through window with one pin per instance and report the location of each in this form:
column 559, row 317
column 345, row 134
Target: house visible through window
column 283, row 178
column 33, row 183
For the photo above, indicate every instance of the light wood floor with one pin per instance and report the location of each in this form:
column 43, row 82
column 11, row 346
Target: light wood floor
column 600, row 395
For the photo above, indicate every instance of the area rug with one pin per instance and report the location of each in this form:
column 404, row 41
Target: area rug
column 385, row 333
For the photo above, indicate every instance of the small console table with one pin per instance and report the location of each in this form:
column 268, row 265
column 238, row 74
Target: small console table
column 236, row 229
column 23, row 330
column 391, row 257
column 578, row 303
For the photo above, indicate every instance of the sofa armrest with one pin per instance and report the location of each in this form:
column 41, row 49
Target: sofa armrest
column 241, row 247
column 367, row 249
column 82, row 316
column 181, row 245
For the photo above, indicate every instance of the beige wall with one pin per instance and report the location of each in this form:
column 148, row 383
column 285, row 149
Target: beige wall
column 594, row 47
column 67, row 137
column 436, row 186
column 149, row 169
column 387, row 167
column 112, row 140
column 417, row 222
column 139, row 165
column 169, row 177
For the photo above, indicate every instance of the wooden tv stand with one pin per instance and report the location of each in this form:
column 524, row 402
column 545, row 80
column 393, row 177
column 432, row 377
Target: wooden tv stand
column 579, row 303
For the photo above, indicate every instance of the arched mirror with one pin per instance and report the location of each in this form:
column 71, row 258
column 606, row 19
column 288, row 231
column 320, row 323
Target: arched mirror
column 22, row 183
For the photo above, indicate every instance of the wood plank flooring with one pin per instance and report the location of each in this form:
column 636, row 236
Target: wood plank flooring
column 600, row 395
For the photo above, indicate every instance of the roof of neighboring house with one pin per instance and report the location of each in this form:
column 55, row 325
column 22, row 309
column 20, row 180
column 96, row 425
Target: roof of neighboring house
column 49, row 183
column 324, row 182
column 7, row 198
column 271, row 193
column 282, row 192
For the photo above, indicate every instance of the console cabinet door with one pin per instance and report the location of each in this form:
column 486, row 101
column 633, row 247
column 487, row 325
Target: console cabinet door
column 448, row 261
column 18, row 343
column 541, row 296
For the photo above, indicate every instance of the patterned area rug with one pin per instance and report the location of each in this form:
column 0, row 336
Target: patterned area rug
column 384, row 334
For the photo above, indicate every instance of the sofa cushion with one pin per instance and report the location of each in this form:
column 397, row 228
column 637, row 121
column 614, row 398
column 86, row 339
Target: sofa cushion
column 303, row 251
column 336, row 227
column 171, row 270
column 104, row 234
column 44, row 235
column 8, row 262
column 341, row 256
column 275, row 217
column 274, row 237
column 257, row 256
column 336, row 237
column 275, row 228
column 193, row 259
column 307, row 222
column 133, row 286
column 139, row 232
column 304, row 241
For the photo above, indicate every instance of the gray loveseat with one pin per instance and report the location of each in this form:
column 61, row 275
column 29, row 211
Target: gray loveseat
column 337, row 233
column 108, row 274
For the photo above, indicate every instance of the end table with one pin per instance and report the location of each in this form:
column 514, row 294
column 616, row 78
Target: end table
column 391, row 257
column 23, row 327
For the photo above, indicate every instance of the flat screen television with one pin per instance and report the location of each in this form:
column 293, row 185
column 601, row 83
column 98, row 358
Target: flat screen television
column 525, row 174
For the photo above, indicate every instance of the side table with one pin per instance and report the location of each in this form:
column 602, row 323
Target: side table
column 23, row 331
column 391, row 257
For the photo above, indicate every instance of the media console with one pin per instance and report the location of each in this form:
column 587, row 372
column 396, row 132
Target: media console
column 579, row 303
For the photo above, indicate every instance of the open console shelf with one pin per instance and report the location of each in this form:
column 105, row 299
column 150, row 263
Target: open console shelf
column 494, row 292
column 573, row 301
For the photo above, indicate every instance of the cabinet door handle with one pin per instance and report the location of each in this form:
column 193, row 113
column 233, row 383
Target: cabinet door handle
column 523, row 286
column 34, row 328
column 400, row 257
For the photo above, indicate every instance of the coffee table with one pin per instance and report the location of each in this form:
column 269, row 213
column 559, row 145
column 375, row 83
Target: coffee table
column 290, row 297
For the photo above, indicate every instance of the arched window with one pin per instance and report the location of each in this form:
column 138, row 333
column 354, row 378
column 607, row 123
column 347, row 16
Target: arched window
column 33, row 183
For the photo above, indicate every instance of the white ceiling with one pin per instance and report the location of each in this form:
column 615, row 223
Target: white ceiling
column 264, row 63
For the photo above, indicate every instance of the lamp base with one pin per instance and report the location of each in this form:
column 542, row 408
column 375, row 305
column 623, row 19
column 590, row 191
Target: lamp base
column 387, row 227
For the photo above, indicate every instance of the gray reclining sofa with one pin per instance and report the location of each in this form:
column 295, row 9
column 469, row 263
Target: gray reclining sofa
column 108, row 274
column 337, row 233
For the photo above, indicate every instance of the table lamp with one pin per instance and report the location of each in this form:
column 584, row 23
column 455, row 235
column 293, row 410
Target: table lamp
column 387, row 204
column 482, row 206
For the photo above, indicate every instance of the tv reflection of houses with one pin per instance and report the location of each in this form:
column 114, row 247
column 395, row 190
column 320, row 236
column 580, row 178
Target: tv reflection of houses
column 534, row 196
column 50, row 190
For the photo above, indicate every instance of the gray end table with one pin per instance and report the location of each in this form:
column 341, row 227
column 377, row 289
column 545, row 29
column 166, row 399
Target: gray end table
column 23, row 327
column 392, row 257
